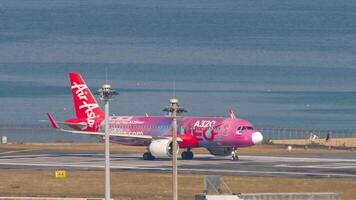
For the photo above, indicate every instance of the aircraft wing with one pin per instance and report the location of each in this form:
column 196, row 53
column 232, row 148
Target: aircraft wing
column 120, row 136
column 111, row 134
column 147, row 137
column 123, row 136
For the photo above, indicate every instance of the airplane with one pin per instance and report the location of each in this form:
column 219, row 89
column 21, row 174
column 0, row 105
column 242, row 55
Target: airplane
column 219, row 135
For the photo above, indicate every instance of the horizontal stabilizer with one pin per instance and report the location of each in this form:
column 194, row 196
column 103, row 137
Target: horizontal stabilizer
column 80, row 125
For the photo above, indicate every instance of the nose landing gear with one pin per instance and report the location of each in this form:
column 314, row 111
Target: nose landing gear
column 234, row 156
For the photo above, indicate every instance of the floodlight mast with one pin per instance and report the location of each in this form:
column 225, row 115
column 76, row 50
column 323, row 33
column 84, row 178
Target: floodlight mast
column 173, row 109
column 105, row 93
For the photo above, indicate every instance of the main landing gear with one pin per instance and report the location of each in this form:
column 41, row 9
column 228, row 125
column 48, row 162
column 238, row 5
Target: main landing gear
column 187, row 155
column 148, row 156
column 234, row 155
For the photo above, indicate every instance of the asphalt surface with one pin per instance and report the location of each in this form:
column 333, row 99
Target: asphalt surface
column 288, row 165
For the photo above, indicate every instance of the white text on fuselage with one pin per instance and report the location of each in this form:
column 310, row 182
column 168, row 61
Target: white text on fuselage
column 89, row 108
column 129, row 122
column 204, row 124
column 124, row 120
column 122, row 132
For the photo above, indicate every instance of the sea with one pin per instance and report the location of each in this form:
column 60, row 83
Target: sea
column 276, row 63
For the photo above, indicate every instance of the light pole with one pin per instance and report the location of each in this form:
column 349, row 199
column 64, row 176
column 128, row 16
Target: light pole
column 173, row 109
column 106, row 93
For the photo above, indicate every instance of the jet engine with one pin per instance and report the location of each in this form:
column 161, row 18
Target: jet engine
column 162, row 147
column 220, row 151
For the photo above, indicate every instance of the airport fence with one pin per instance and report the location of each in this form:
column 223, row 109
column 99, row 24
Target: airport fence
column 300, row 136
column 297, row 136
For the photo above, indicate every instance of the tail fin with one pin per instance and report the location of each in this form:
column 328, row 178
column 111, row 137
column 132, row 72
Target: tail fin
column 85, row 104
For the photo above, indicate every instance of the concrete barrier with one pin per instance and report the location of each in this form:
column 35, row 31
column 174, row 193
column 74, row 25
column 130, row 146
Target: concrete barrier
column 217, row 197
column 289, row 196
column 47, row 198
column 273, row 196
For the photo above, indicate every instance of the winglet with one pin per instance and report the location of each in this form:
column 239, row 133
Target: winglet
column 231, row 113
column 54, row 124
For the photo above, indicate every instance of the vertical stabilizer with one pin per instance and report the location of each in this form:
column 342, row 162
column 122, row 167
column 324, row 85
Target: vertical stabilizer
column 231, row 113
column 85, row 104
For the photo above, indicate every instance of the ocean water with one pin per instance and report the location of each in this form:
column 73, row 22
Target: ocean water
column 284, row 64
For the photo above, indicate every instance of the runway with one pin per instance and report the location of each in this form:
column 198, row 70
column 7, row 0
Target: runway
column 288, row 165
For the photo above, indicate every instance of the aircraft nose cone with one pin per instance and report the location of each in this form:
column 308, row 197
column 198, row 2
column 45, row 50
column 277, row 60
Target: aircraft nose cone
column 257, row 137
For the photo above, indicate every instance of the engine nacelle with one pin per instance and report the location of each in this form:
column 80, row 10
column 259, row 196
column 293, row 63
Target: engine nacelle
column 162, row 147
column 220, row 151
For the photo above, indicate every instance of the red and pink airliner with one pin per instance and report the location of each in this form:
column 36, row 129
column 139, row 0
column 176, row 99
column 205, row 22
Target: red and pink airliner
column 220, row 136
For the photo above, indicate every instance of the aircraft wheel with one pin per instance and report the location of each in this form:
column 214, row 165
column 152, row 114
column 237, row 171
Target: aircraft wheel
column 145, row 156
column 184, row 155
column 234, row 157
column 148, row 156
column 187, row 155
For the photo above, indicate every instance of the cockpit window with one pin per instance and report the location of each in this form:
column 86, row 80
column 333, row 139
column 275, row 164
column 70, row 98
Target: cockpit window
column 241, row 128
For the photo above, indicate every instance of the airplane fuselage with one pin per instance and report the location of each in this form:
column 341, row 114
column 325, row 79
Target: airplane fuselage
column 193, row 131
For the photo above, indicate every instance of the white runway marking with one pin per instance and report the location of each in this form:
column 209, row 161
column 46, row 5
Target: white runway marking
column 237, row 172
column 294, row 159
column 248, row 165
column 325, row 166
